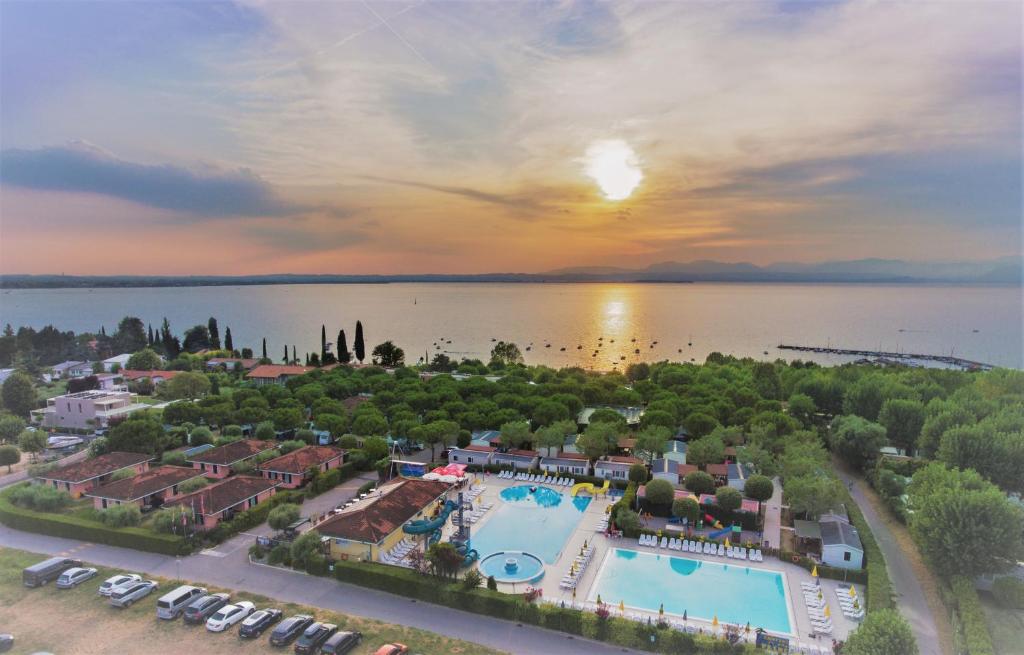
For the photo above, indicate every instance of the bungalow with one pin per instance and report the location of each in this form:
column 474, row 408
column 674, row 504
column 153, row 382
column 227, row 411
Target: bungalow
column 373, row 526
column 671, row 470
column 840, row 544
column 472, row 454
column 720, row 472
column 80, row 477
column 275, row 374
column 232, row 363
column 217, row 462
column 738, row 474
column 566, row 463
column 149, row 488
column 614, row 467
column 156, row 377
column 222, row 500
column 71, row 369
column 292, row 470
column 116, row 363
column 522, row 460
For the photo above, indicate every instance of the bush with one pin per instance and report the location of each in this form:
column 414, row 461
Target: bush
column 121, row 516
column 290, row 445
column 972, row 617
column 472, row 579
column 659, row 493
column 367, row 487
column 492, row 584
column 1009, row 592
column 283, row 515
column 280, row 554
column 638, row 473
column 173, row 457
column 331, row 479
column 699, row 482
column 885, row 632
column 195, row 484
column 232, row 431
column 39, row 498
column 172, row 520
column 728, row 499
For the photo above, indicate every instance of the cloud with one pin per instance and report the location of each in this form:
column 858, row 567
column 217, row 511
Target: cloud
column 512, row 201
column 81, row 168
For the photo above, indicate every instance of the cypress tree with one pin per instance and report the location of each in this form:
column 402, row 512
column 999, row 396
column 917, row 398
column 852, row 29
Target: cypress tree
column 285, row 353
column 323, row 342
column 344, row 356
column 358, row 343
column 149, row 337
column 307, row 359
column 228, row 344
column 295, row 358
column 264, row 348
column 215, row 334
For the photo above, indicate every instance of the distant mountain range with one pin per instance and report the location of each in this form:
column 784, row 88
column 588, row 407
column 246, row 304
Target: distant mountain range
column 1006, row 270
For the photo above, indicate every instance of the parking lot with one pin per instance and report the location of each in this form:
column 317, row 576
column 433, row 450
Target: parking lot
column 80, row 621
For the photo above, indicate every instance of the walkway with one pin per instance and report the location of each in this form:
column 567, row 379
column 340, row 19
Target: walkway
column 773, row 517
column 911, row 598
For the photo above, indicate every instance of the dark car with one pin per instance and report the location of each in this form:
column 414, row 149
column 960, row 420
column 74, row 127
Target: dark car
column 290, row 629
column 47, row 570
column 313, row 637
column 204, row 607
column 341, row 643
column 256, row 623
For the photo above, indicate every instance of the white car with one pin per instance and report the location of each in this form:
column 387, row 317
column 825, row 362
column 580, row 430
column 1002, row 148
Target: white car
column 229, row 615
column 74, row 577
column 117, row 580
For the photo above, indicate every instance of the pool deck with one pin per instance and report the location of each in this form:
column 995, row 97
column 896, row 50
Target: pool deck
column 586, row 531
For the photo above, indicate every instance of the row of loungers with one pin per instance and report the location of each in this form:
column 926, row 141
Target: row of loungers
column 706, row 548
column 539, row 479
column 473, row 515
column 852, row 608
column 816, row 607
column 576, row 569
column 397, row 554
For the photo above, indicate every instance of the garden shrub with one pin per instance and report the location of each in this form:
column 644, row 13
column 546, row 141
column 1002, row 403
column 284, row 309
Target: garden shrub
column 194, row 484
column 121, row 516
column 972, row 617
column 39, row 497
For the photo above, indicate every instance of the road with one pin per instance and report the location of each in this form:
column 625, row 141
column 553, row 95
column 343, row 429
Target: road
column 911, row 599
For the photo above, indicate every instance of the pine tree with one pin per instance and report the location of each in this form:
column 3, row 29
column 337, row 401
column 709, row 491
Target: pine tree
column 215, row 334
column 264, row 348
column 344, row 356
column 358, row 345
column 228, row 344
column 171, row 345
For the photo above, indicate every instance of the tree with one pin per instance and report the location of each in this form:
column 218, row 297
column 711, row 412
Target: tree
column 802, row 408
column 699, row 482
column 552, row 437
column 659, row 492
column 857, row 440
column 638, row 473
column 283, row 515
column 811, row 494
column 285, row 360
column 699, row 424
column 305, row 548
column 444, row 559
column 686, row 508
column 228, row 342
column 598, row 439
column 759, row 487
column 9, row 456
column 214, row 331
column 367, row 422
column 344, row 356
column 514, row 434
column 728, row 499
column 706, row 450
column 389, row 355
column 903, row 420
column 200, row 435
column 358, row 343
column 264, row 355
column 638, row 371
column 187, row 384
column 548, row 412
column 19, row 394
column 197, row 338
column 883, row 632
column 141, row 433
column 376, row 448
column 652, row 441
column 130, row 336
column 287, row 418
column 168, row 342
column 144, row 360
column 864, row 398
column 10, row 428
column 506, row 354
column 32, row 442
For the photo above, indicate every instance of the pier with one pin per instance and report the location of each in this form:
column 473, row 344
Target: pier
column 965, row 364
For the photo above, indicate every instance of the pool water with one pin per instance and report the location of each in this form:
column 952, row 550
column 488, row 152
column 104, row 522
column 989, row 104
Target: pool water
column 528, row 568
column 734, row 592
column 537, row 522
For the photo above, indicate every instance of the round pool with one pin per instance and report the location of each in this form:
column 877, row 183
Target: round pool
column 512, row 566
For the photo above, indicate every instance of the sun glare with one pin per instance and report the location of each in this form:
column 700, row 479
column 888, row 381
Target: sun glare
column 615, row 168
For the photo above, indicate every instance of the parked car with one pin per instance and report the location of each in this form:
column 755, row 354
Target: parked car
column 392, row 649
column 6, row 642
column 204, row 607
column 313, row 637
column 39, row 574
column 75, row 576
column 290, row 629
column 229, row 615
column 129, row 592
column 258, row 622
column 172, row 604
column 116, row 581
column 341, row 643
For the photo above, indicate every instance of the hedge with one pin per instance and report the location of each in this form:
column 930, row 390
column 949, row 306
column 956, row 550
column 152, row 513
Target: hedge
column 972, row 617
column 326, row 481
column 618, row 631
column 75, row 527
column 879, row 585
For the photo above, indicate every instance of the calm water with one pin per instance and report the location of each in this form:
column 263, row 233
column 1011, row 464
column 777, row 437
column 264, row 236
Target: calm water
column 536, row 523
column 735, row 593
column 740, row 319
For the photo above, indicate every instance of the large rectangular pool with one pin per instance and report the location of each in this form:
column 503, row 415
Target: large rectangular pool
column 735, row 592
column 532, row 518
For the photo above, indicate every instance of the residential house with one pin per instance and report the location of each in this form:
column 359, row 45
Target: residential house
column 566, row 464
column 840, row 544
column 152, row 488
column 292, row 470
column 70, row 369
column 671, row 470
column 116, row 363
column 521, row 460
column 720, row 472
column 373, row 526
column 218, row 462
column 274, row 373
column 85, row 410
column 222, row 500
column 737, row 475
column 615, row 467
column 232, row 363
column 472, row 454
column 156, row 377
column 80, row 477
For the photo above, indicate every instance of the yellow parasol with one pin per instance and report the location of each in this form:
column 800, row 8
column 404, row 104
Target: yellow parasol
column 814, row 571
column 828, row 612
column 853, row 592
column 714, row 622
column 727, row 542
column 622, row 607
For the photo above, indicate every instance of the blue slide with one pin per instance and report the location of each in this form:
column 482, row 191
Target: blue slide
column 719, row 533
column 423, row 526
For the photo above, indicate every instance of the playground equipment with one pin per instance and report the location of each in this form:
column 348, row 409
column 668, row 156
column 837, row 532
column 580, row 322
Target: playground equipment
column 713, row 522
column 589, row 487
column 719, row 533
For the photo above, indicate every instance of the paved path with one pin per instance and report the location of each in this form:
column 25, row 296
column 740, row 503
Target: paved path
column 910, row 596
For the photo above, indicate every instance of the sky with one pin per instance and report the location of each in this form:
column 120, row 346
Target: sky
column 469, row 137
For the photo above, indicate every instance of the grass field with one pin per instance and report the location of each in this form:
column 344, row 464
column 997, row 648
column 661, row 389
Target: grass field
column 1006, row 627
column 81, row 622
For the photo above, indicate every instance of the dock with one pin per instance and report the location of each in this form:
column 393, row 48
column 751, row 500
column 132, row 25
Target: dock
column 966, row 364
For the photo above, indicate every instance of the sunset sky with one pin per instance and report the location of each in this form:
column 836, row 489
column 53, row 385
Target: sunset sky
column 408, row 137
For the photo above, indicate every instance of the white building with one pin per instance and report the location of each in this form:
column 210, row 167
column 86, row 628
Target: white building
column 840, row 544
column 117, row 361
column 615, row 467
column 473, row 455
column 566, row 464
column 87, row 409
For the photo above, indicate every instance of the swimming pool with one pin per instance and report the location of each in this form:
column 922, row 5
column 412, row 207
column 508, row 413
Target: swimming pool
column 736, row 593
column 537, row 522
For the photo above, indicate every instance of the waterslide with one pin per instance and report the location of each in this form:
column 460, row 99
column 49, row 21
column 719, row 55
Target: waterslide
column 589, row 487
column 713, row 522
column 469, row 555
column 423, row 526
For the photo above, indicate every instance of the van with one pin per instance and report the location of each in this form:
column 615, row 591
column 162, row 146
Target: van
column 172, row 604
column 43, row 572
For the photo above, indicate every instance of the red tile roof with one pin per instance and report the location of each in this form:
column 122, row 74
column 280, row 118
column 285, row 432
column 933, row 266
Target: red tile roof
column 274, row 371
column 233, row 452
column 482, row 449
column 95, row 467
column 579, row 456
column 376, row 517
column 523, row 453
column 301, row 460
column 145, row 483
column 219, row 496
column 717, row 469
column 138, row 375
column 619, row 459
column 686, row 469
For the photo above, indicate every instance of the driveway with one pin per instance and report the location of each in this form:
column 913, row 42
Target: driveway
column 911, row 600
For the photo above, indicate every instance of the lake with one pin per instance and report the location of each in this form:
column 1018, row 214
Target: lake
column 979, row 323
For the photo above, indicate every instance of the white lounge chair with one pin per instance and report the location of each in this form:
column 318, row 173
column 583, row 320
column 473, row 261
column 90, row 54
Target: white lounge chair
column 664, row 542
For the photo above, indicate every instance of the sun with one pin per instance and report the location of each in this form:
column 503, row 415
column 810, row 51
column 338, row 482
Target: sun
column 615, row 167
